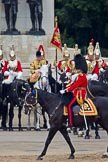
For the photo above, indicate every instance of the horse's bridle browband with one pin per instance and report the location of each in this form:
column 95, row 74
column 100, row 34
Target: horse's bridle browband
column 90, row 92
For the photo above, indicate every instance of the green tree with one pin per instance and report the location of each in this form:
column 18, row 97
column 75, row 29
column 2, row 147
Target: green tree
column 79, row 21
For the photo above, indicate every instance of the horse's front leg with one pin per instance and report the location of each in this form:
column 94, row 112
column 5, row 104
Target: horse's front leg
column 65, row 134
column 37, row 115
column 11, row 116
column 28, row 121
column 19, row 118
column 51, row 134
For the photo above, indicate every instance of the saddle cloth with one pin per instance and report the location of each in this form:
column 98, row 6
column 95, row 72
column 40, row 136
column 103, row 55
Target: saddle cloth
column 34, row 77
column 88, row 109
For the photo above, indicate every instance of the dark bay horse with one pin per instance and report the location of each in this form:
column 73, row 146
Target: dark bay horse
column 16, row 95
column 53, row 105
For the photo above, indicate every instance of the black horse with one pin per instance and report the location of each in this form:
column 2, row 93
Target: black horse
column 53, row 105
column 16, row 94
column 103, row 77
column 59, row 86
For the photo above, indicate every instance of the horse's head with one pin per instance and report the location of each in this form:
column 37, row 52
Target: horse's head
column 44, row 70
column 18, row 91
column 30, row 101
column 104, row 76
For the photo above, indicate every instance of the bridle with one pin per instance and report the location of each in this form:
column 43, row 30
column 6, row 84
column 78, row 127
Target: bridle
column 32, row 106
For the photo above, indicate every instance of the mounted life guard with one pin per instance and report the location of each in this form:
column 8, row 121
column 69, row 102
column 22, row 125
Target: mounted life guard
column 11, row 70
column 74, row 72
column 101, row 62
column 64, row 66
column 97, row 62
column 79, row 86
column 2, row 60
column 36, row 64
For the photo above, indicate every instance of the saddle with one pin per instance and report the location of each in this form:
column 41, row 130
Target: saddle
column 34, row 77
column 87, row 108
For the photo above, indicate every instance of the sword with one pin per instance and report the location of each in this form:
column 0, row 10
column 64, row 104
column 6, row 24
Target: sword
column 85, row 120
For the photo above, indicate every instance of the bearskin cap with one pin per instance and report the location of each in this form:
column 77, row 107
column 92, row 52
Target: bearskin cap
column 80, row 63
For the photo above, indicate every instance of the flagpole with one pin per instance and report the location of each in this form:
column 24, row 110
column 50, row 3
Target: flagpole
column 56, row 42
column 56, row 72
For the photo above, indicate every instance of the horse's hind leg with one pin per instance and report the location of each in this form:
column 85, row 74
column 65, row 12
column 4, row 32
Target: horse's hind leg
column 51, row 134
column 67, row 138
column 97, row 136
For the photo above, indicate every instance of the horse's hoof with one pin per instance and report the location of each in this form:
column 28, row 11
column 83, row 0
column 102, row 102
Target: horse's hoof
column 48, row 129
column 39, row 158
column 38, row 129
column 105, row 155
column 28, row 129
column 4, row 128
column 68, row 130
column 87, row 137
column 20, row 129
column 97, row 137
column 10, row 129
column 75, row 133
column 71, row 157
column 80, row 134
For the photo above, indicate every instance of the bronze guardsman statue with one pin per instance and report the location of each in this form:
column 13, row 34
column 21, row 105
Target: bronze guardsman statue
column 36, row 9
column 11, row 9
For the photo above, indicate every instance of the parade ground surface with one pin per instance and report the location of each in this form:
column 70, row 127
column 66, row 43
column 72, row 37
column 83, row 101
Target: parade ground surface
column 25, row 146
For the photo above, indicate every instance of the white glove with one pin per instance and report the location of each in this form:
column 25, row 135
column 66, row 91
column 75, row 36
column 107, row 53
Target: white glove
column 6, row 73
column 102, row 70
column 15, row 73
column 68, row 74
column 62, row 91
column 11, row 72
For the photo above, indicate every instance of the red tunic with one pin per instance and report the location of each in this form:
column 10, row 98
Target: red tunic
column 7, row 68
column 96, row 69
column 79, row 86
column 67, row 69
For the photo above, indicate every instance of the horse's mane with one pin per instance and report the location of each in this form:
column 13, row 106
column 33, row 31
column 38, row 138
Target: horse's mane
column 98, row 88
column 52, row 97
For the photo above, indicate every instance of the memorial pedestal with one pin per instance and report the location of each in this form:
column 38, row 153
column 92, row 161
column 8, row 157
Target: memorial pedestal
column 11, row 32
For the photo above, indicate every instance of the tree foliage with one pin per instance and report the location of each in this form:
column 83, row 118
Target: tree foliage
column 79, row 21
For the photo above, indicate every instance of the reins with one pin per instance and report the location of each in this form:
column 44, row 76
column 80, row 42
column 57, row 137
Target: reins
column 90, row 92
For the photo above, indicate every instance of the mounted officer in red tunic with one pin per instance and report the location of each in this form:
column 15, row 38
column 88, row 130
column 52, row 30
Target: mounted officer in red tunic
column 79, row 86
